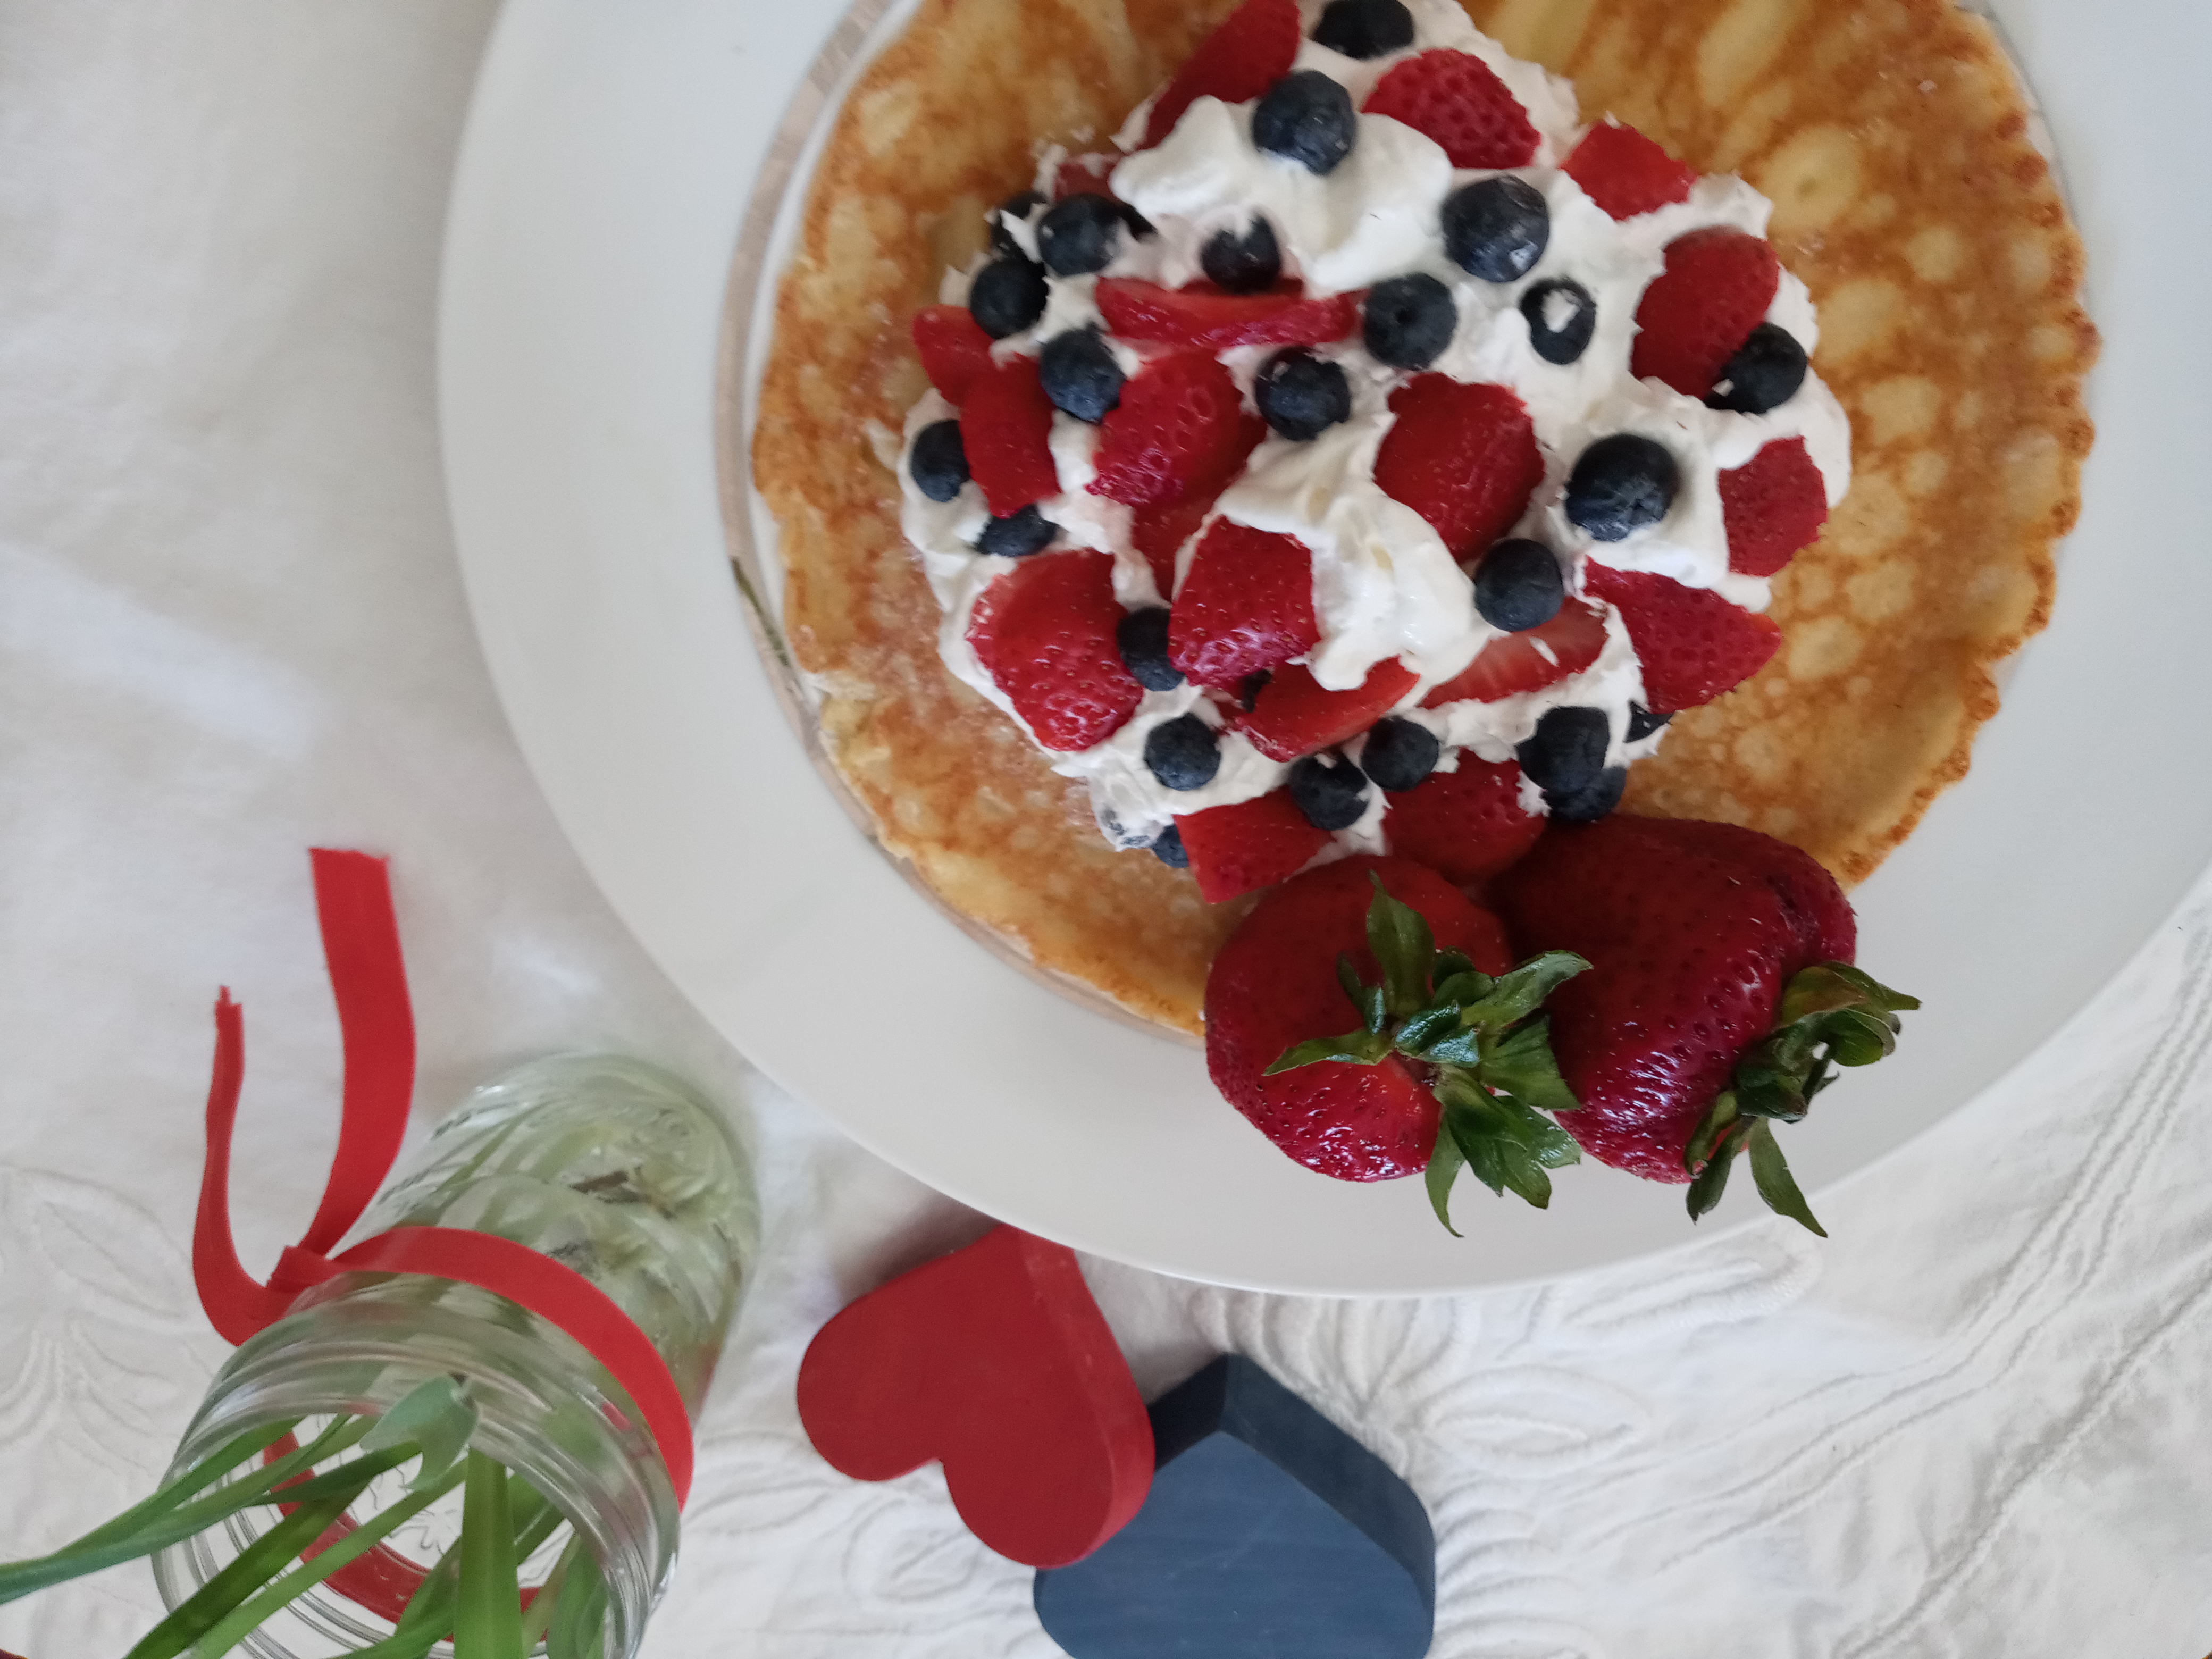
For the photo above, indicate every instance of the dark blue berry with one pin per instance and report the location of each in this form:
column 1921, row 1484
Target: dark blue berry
column 1183, row 753
column 939, row 462
column 1622, row 484
column 1642, row 722
column 1765, row 375
column 1496, row 228
column 1080, row 235
column 1013, row 210
column 1592, row 801
column 1568, row 750
column 1329, row 790
column 1301, row 395
column 1139, row 227
column 1249, row 688
column 1562, row 316
column 1168, row 849
column 1364, row 29
column 1143, row 637
column 1243, row 264
column 1518, row 585
column 1410, row 321
column 1008, row 295
column 1079, row 373
column 1307, row 118
column 1399, row 755
column 1018, row 535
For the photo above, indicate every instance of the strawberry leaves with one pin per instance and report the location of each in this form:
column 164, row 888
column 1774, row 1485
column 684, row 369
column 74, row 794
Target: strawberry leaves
column 1487, row 1049
column 1831, row 1014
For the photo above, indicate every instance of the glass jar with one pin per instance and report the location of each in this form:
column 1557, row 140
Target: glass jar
column 610, row 1166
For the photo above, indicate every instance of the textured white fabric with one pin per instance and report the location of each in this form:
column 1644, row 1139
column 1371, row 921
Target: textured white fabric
column 1976, row 1423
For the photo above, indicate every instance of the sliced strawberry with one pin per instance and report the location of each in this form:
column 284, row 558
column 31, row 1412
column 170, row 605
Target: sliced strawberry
column 1456, row 98
column 954, row 349
column 1177, row 432
column 1698, row 312
column 1044, row 633
column 1253, row 49
column 1006, row 426
column 1466, row 825
column 1159, row 531
column 1294, row 715
column 1693, row 643
column 1774, row 506
column 1204, row 318
column 1625, row 174
column 1463, row 457
column 1566, row 645
column 1239, row 849
column 1246, row 606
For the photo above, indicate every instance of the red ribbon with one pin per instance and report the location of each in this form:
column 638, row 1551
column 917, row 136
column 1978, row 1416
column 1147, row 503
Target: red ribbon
column 360, row 942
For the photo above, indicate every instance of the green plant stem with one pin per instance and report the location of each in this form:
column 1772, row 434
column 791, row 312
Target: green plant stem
column 256, row 1565
column 489, row 1625
column 210, row 1468
column 539, row 1615
column 429, row 1615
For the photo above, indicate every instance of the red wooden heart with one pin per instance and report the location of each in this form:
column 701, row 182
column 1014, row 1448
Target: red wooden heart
column 995, row 1361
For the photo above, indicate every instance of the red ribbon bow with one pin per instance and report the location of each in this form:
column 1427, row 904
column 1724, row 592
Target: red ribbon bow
column 360, row 942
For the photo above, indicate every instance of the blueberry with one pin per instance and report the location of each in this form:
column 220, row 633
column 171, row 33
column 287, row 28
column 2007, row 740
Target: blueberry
column 1079, row 236
column 1018, row 535
column 939, row 462
column 1592, row 801
column 1329, row 790
column 1307, row 118
column 1642, row 722
column 1765, row 375
column 1183, row 753
column 1364, row 29
column 1496, row 228
column 1139, row 227
column 1008, row 295
column 1079, row 375
column 1568, row 751
column 1400, row 755
column 1301, row 395
column 1243, row 264
column 1622, row 484
column 1143, row 637
column 1518, row 585
column 1014, row 209
column 1562, row 316
column 1249, row 688
column 1169, row 849
column 1410, row 321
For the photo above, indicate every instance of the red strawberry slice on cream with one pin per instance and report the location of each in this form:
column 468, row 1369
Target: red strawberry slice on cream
column 1252, row 48
column 1250, row 844
column 1246, row 606
column 1295, row 715
column 1466, row 825
column 1463, row 457
column 1456, row 98
column 1045, row 634
column 1691, row 643
column 954, row 350
column 1772, row 507
column 1005, row 422
column 1625, row 174
column 1204, row 318
column 1178, row 430
column 1698, row 312
column 1527, row 661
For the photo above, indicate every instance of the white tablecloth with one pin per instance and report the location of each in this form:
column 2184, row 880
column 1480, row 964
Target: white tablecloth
column 1976, row 1423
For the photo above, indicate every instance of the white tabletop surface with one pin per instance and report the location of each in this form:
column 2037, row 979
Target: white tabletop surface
column 230, row 627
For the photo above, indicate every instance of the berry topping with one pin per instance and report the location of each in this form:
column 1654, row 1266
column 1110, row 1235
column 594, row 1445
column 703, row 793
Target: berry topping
column 1159, row 529
column 1566, row 645
column 1014, row 210
column 1765, row 375
column 1079, row 375
column 954, row 350
column 1080, row 235
column 1496, row 228
column 1625, row 174
column 1700, row 310
column 1235, row 64
column 1592, row 801
column 1240, row 849
column 1773, row 506
column 1562, row 317
column 1246, row 606
column 1519, row 585
column 938, row 464
column 1456, row 98
column 1250, row 263
column 1178, row 429
column 1007, row 296
column 1007, row 424
column 1203, row 318
column 1294, row 715
column 1044, row 633
column 1622, row 484
column 1463, row 457
column 1465, row 825
column 1142, row 636
column 1307, row 118
column 1692, row 644
column 1301, row 395
column 1642, row 722
column 1018, row 536
column 1399, row 754
column 1168, row 849
column 1567, row 752
column 1183, row 753
column 1330, row 791
column 1409, row 321
column 1364, row 29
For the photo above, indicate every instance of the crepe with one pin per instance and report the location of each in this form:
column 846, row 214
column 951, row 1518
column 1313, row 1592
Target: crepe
column 1893, row 141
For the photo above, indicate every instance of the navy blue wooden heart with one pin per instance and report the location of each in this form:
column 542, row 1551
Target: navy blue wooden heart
column 1269, row 1534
